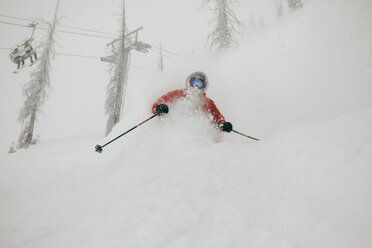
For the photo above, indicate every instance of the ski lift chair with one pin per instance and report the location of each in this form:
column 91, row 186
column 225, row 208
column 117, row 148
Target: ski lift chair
column 24, row 50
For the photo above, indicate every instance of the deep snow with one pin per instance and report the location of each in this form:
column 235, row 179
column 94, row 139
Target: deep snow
column 302, row 86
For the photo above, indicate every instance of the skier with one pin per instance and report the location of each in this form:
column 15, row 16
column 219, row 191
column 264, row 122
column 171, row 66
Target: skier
column 30, row 51
column 196, row 82
column 196, row 85
column 17, row 58
column 21, row 53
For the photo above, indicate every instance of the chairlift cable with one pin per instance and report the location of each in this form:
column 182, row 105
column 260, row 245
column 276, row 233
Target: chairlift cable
column 164, row 50
column 76, row 33
column 15, row 24
column 66, row 26
column 90, row 35
column 158, row 54
column 93, row 57
column 60, row 31
column 82, row 56
column 164, row 56
column 85, row 29
column 17, row 18
column 78, row 55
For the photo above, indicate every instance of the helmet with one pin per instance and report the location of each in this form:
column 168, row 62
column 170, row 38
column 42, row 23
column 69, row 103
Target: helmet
column 198, row 76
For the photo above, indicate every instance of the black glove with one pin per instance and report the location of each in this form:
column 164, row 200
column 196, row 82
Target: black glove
column 226, row 127
column 161, row 109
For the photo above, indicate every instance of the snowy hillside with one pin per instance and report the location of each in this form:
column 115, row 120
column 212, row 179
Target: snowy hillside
column 302, row 85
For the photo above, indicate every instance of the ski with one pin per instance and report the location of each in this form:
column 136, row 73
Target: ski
column 36, row 60
column 19, row 69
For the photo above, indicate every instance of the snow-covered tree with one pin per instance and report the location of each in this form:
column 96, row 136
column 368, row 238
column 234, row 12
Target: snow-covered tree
column 117, row 85
column 294, row 4
column 36, row 90
column 224, row 33
column 279, row 8
column 12, row 148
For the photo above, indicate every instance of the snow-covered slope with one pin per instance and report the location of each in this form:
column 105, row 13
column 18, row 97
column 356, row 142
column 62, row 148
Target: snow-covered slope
column 301, row 85
column 306, row 187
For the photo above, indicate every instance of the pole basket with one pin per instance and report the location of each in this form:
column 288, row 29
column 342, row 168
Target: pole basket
column 99, row 148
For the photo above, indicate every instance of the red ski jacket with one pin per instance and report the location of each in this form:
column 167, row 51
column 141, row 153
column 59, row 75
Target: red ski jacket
column 208, row 104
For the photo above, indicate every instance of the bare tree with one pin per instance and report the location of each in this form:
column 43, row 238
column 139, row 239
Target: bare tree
column 294, row 4
column 37, row 89
column 279, row 8
column 224, row 33
column 116, row 88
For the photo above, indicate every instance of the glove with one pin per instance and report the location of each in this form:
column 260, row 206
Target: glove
column 161, row 109
column 226, row 127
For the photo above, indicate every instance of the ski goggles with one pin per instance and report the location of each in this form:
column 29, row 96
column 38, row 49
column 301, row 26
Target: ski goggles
column 198, row 83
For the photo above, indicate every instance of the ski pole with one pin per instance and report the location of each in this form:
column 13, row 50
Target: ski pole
column 245, row 135
column 99, row 147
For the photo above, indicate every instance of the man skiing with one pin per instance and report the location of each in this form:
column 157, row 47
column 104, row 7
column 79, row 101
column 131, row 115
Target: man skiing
column 195, row 82
column 196, row 85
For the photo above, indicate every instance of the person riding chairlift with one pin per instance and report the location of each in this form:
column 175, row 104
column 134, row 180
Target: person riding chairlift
column 28, row 51
column 27, row 44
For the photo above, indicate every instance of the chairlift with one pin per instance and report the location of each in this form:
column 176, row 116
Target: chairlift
column 142, row 47
column 23, row 51
column 131, row 42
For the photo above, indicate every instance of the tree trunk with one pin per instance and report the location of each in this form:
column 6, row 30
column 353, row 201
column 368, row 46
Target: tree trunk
column 116, row 93
column 31, row 127
column 294, row 4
